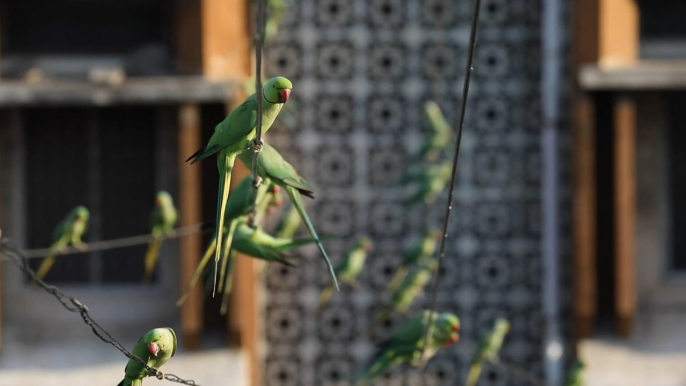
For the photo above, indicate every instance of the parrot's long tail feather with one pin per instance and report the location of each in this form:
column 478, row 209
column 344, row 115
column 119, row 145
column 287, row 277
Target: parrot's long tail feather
column 198, row 271
column 228, row 282
column 222, row 198
column 226, row 252
column 400, row 275
column 324, row 299
column 45, row 266
column 300, row 206
column 376, row 369
column 474, row 374
column 151, row 258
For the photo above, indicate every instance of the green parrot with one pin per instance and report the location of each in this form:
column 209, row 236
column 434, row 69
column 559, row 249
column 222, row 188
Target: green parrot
column 271, row 165
column 441, row 130
column 289, row 223
column 577, row 374
column 488, row 349
column 411, row 287
column 155, row 347
column 349, row 268
column 424, row 249
column 430, row 182
column 163, row 219
column 407, row 343
column 238, row 206
column 68, row 231
column 235, row 135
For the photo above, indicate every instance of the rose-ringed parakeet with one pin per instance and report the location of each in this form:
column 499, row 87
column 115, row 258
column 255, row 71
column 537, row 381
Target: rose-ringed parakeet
column 418, row 253
column 155, row 348
column 162, row 220
column 577, row 374
column 441, row 133
column 407, row 344
column 488, row 349
column 235, row 135
column 349, row 268
column 409, row 289
column 288, row 223
column 239, row 205
column 271, row 165
column 430, row 182
column 68, row 231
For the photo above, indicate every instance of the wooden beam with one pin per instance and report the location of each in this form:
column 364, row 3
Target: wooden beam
column 625, row 213
column 584, row 225
column 190, row 210
column 226, row 38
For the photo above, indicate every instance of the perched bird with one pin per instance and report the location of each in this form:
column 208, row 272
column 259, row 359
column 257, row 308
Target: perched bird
column 236, row 134
column 240, row 204
column 155, row 348
column 411, row 287
column 162, row 220
column 407, row 344
column 441, row 133
column 488, row 349
column 351, row 266
column 68, row 231
column 577, row 374
column 289, row 223
column 418, row 253
column 430, row 182
column 271, row 165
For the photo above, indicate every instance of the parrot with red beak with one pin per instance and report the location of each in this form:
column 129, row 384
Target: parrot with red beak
column 407, row 344
column 236, row 134
column 155, row 348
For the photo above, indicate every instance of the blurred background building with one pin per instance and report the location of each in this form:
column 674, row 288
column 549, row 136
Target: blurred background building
column 566, row 210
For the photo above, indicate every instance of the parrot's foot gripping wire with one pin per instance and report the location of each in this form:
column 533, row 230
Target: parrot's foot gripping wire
column 71, row 304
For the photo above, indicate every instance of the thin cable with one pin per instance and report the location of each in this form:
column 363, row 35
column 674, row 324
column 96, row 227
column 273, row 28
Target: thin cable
column 72, row 304
column 259, row 93
column 114, row 243
column 449, row 207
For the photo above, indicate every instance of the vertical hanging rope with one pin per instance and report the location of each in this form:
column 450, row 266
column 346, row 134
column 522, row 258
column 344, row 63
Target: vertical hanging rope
column 259, row 43
column 449, row 207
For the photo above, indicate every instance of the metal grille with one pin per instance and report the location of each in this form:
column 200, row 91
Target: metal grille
column 362, row 71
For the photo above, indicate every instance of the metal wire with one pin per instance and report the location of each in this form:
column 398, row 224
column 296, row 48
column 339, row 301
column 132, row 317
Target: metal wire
column 449, row 207
column 71, row 304
column 259, row 43
column 113, row 243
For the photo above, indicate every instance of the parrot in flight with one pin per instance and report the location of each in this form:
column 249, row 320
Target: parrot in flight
column 407, row 344
column 289, row 223
column 68, row 231
column 488, row 349
column 577, row 374
column 349, row 268
column 162, row 220
column 411, row 287
column 271, row 165
column 155, row 348
column 239, row 206
column 424, row 249
column 235, row 135
column 441, row 133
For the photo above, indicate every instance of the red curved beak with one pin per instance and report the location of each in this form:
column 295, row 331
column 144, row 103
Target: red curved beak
column 285, row 94
column 154, row 348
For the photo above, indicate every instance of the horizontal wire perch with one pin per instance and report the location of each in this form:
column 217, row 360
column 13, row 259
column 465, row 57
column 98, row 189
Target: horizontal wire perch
column 113, row 243
column 71, row 304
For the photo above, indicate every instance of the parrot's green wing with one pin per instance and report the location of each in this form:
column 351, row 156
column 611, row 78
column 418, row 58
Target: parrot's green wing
column 277, row 168
column 234, row 128
column 171, row 331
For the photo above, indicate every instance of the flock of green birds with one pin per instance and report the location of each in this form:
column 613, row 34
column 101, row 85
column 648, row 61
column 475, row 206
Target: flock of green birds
column 238, row 230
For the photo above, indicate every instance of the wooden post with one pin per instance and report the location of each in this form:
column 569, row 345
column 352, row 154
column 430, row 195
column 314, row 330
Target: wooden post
column 625, row 213
column 606, row 33
column 190, row 210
